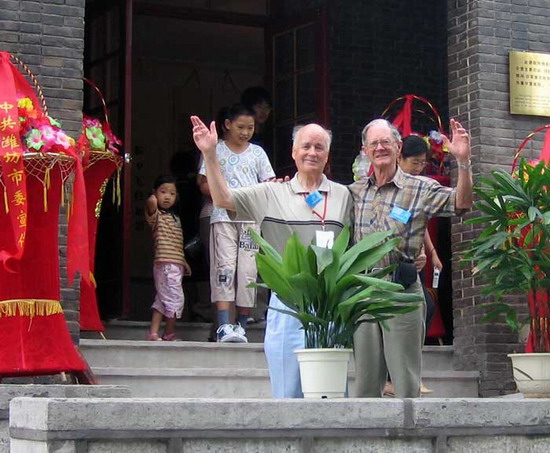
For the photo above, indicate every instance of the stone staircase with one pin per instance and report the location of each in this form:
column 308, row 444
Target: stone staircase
column 196, row 368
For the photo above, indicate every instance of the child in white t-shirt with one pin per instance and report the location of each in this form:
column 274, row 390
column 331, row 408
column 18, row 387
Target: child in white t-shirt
column 232, row 250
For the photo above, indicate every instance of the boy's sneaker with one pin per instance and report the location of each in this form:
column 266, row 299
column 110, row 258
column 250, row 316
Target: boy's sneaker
column 226, row 334
column 240, row 334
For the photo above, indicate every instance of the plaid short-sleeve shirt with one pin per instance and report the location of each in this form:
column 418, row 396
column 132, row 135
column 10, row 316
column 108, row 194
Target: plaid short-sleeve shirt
column 375, row 209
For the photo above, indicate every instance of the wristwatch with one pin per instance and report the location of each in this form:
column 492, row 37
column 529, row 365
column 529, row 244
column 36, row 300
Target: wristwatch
column 466, row 166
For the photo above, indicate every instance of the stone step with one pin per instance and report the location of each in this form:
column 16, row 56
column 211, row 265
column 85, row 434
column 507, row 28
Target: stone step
column 193, row 354
column 175, row 354
column 201, row 369
column 249, row 383
column 188, row 331
column 190, row 382
column 434, row 357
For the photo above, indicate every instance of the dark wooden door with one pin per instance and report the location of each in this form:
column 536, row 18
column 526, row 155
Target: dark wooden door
column 297, row 65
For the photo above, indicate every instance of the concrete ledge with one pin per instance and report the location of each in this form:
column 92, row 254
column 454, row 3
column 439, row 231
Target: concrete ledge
column 11, row 391
column 200, row 425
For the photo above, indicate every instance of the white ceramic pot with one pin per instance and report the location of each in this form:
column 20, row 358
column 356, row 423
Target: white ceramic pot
column 532, row 373
column 324, row 372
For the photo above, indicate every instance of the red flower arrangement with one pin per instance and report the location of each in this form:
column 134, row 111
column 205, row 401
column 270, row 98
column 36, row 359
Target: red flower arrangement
column 40, row 133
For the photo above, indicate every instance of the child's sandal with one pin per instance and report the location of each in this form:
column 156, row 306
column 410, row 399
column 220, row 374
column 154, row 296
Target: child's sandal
column 170, row 337
column 153, row 336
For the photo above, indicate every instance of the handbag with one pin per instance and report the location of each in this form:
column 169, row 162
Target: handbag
column 405, row 274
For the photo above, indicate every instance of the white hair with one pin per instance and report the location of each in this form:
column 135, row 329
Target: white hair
column 297, row 129
column 380, row 122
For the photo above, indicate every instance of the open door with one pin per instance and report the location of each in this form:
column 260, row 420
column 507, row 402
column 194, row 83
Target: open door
column 297, row 62
column 107, row 62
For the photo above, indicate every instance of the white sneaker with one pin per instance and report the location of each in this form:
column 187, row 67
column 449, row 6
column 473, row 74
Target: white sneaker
column 240, row 334
column 226, row 334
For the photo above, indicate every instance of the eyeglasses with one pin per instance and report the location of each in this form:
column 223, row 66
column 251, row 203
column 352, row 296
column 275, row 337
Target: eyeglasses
column 386, row 143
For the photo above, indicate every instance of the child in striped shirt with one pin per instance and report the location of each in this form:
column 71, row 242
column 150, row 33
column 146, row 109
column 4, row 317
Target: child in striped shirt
column 169, row 262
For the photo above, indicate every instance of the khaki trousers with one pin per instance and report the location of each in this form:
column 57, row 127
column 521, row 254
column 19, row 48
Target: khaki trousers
column 397, row 351
column 233, row 263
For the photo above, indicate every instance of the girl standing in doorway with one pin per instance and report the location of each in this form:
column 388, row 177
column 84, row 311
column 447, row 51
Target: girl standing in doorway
column 169, row 262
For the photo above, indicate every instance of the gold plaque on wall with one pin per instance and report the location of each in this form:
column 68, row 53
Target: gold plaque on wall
column 529, row 83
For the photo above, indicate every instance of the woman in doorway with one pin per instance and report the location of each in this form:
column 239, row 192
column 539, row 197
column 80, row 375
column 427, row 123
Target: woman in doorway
column 258, row 100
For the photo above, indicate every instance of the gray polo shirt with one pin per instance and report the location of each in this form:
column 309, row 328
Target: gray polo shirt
column 281, row 210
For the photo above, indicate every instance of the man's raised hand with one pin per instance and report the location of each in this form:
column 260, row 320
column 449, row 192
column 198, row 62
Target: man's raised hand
column 205, row 139
column 459, row 145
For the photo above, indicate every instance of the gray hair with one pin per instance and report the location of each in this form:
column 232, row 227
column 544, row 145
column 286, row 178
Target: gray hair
column 380, row 122
column 297, row 129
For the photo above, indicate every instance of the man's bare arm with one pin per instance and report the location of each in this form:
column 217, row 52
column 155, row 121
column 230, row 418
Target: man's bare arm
column 460, row 149
column 206, row 140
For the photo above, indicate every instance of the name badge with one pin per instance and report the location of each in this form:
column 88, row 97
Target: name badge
column 313, row 199
column 324, row 239
column 400, row 214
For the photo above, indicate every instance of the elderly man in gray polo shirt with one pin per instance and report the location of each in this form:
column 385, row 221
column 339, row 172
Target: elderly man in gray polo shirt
column 281, row 210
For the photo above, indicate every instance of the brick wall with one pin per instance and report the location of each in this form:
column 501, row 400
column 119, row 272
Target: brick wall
column 378, row 51
column 480, row 35
column 48, row 36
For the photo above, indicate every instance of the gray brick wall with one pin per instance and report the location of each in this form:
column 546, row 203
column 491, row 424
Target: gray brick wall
column 378, row 51
column 48, row 36
column 480, row 35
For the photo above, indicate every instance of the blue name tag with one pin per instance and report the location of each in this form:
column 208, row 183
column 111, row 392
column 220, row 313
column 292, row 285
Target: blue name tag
column 313, row 199
column 400, row 214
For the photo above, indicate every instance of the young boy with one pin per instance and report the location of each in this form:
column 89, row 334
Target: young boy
column 232, row 250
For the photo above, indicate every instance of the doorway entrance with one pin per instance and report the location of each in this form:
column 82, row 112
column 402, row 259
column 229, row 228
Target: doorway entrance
column 158, row 63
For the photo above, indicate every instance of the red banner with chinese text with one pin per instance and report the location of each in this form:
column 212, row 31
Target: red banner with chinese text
column 34, row 338
column 11, row 159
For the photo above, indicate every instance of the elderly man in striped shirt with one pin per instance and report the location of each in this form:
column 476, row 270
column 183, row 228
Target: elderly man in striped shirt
column 392, row 199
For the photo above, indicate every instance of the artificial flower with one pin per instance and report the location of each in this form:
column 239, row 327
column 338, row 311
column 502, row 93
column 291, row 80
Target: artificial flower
column 62, row 139
column 48, row 134
column 88, row 121
column 25, row 103
column 34, row 140
column 435, row 136
column 26, row 109
column 54, row 122
column 112, row 140
column 96, row 137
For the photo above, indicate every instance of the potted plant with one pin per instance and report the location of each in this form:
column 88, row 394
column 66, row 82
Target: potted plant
column 329, row 293
column 512, row 256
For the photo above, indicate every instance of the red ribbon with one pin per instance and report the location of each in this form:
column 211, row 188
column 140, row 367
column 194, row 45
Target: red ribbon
column 403, row 120
column 11, row 159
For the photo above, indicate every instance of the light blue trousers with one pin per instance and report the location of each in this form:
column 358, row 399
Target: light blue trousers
column 283, row 334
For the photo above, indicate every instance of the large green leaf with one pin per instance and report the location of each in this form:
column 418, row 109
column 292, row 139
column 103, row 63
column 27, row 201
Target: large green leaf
column 306, row 288
column 266, row 247
column 294, row 256
column 367, row 243
column 341, row 242
column 274, row 276
column 368, row 258
column 360, row 280
column 324, row 257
